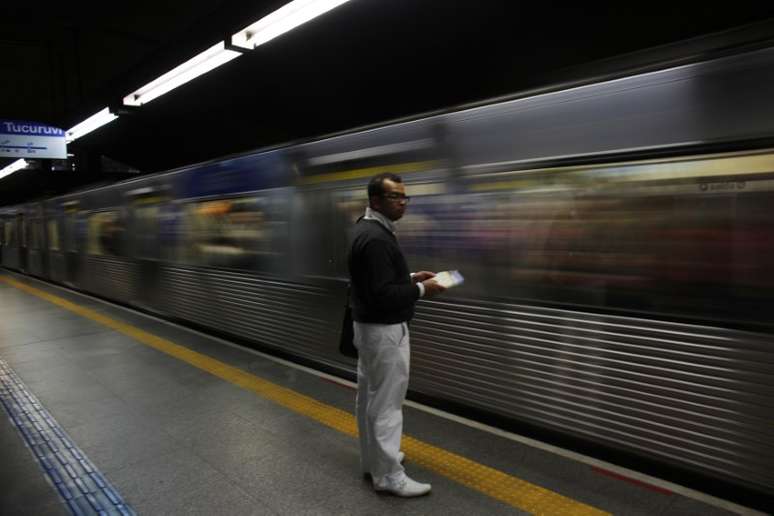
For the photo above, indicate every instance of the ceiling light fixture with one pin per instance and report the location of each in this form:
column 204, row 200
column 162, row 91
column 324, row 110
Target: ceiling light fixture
column 284, row 19
column 200, row 64
column 93, row 122
column 13, row 167
column 267, row 28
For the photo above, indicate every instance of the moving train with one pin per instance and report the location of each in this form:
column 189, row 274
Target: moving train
column 616, row 239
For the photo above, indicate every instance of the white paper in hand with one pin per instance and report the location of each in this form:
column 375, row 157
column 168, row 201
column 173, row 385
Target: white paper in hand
column 449, row 279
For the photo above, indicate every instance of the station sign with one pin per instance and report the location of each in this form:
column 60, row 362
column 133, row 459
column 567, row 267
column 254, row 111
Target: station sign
column 20, row 139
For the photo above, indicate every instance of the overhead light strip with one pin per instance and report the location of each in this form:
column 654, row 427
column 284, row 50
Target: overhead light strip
column 17, row 165
column 200, row 64
column 93, row 122
column 284, row 19
column 267, row 28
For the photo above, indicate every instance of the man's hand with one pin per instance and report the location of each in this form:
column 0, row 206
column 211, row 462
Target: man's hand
column 432, row 287
column 421, row 276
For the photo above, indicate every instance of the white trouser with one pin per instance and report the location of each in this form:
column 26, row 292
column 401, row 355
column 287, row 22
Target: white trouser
column 382, row 380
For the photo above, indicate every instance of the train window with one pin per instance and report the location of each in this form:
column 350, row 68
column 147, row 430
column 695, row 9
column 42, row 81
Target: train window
column 105, row 232
column 229, row 233
column 53, row 235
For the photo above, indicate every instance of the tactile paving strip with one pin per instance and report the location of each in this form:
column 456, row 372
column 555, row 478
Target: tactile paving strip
column 82, row 488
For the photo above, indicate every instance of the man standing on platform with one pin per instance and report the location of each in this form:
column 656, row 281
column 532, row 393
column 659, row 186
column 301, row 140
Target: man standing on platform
column 383, row 295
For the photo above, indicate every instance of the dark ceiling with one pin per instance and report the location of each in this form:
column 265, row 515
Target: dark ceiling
column 365, row 62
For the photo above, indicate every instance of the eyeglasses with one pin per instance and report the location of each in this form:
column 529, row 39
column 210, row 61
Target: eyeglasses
column 397, row 197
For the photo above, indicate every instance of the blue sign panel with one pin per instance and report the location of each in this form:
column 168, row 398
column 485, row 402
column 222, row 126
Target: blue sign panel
column 20, row 139
column 231, row 176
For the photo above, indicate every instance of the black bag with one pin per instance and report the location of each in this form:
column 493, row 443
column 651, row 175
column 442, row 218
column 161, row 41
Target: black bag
column 346, row 344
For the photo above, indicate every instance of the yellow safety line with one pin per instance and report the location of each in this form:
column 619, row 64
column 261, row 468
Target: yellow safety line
column 489, row 481
column 401, row 168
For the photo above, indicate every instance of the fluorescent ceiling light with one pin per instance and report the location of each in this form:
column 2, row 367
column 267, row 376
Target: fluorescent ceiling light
column 13, row 167
column 202, row 63
column 93, row 122
column 284, row 19
column 267, row 28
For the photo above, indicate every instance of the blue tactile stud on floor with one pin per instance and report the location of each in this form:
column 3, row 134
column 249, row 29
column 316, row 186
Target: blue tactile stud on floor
column 82, row 488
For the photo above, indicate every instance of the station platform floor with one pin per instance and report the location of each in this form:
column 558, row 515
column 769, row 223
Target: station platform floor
column 110, row 411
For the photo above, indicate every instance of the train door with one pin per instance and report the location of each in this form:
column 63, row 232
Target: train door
column 71, row 243
column 56, row 267
column 21, row 224
column 11, row 244
column 2, row 241
column 45, row 261
column 145, row 245
column 34, row 246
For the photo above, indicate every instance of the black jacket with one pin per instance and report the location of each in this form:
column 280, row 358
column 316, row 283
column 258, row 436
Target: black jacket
column 381, row 286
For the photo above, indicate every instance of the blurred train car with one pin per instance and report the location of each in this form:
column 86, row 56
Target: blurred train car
column 616, row 238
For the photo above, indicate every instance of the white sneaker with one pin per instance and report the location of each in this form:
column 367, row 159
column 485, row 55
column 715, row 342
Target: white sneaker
column 405, row 487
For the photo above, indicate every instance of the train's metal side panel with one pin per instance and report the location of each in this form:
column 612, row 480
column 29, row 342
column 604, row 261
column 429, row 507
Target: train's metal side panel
column 57, row 266
column 11, row 257
column 35, row 262
column 722, row 100
column 111, row 277
column 284, row 314
column 697, row 395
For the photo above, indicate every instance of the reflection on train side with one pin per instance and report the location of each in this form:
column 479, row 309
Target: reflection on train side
column 241, row 233
column 105, row 230
column 643, row 242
